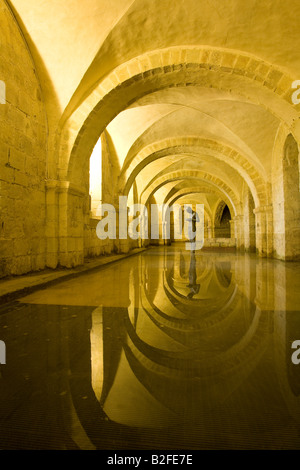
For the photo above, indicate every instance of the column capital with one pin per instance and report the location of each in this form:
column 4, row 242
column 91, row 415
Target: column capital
column 263, row 209
column 65, row 187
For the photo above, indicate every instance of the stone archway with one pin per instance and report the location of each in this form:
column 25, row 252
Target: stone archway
column 286, row 196
column 222, row 221
column 193, row 66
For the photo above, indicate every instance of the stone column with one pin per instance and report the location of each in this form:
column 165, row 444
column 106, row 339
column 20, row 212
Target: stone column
column 64, row 224
column 232, row 233
column 209, row 230
column 264, row 298
column 264, row 230
column 206, row 230
column 238, row 221
column 71, row 224
column 154, row 230
column 212, row 229
column 51, row 224
column 249, row 221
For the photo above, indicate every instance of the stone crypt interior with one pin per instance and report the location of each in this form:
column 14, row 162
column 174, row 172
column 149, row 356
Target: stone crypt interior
column 139, row 343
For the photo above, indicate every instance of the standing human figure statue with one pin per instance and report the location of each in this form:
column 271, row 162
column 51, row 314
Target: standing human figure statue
column 192, row 226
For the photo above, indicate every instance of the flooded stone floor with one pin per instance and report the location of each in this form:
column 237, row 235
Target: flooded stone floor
column 167, row 349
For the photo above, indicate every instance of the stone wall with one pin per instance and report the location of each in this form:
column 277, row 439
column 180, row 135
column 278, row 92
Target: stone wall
column 249, row 220
column 23, row 150
column 291, row 198
column 219, row 243
column 93, row 246
column 286, row 199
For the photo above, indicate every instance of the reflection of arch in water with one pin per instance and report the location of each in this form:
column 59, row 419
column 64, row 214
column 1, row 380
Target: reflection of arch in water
column 186, row 331
column 184, row 377
column 196, row 307
column 191, row 323
column 206, row 329
column 94, row 428
column 206, row 273
column 224, row 276
column 213, row 281
column 160, row 370
column 172, row 305
column 218, row 284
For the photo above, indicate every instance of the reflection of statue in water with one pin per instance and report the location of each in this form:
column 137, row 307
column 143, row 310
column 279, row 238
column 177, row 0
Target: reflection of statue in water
column 194, row 287
column 192, row 226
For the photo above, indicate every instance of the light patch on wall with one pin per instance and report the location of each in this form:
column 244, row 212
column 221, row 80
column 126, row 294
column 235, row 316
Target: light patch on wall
column 2, row 92
column 96, row 176
column 2, row 352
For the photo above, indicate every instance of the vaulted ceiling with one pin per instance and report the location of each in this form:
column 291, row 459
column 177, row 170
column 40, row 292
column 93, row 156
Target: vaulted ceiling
column 75, row 44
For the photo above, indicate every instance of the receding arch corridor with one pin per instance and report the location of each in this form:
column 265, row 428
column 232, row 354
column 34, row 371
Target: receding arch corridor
column 114, row 117
column 166, row 349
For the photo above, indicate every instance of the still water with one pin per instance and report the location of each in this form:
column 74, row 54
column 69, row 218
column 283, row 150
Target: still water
column 164, row 350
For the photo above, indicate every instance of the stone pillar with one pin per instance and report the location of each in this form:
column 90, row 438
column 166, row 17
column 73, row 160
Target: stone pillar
column 264, row 298
column 71, row 224
column 213, row 230
column 270, row 229
column 264, row 230
column 51, row 224
column 249, row 222
column 206, row 230
column 232, row 233
column 291, row 199
column 209, row 230
column 286, row 197
column 238, row 221
column 154, row 228
column 65, row 223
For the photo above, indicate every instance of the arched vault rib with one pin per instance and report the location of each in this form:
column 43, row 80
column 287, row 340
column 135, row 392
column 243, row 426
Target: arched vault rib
column 218, row 212
column 190, row 187
column 197, row 190
column 177, row 163
column 242, row 74
column 219, row 131
column 207, row 210
column 157, row 183
column 195, row 146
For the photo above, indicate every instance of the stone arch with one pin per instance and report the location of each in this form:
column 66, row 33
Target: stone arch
column 248, row 349
column 207, row 221
column 249, row 228
column 223, row 69
column 197, row 190
column 173, row 196
column 219, row 211
column 194, row 145
column 192, row 190
column 286, row 195
column 176, row 192
column 241, row 75
column 191, row 174
column 219, row 230
column 291, row 198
